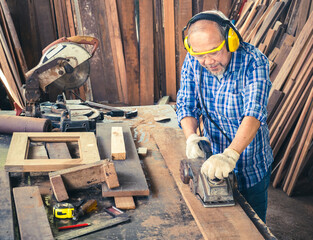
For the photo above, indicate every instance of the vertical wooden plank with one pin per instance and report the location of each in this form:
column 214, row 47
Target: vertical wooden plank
column 6, row 213
column 169, row 43
column 183, row 13
column 212, row 4
column 159, row 62
column 126, row 13
column 31, row 214
column 117, row 49
column 146, row 52
column 225, row 6
column 15, row 39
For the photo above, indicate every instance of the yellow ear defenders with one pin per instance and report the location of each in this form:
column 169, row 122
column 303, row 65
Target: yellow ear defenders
column 232, row 36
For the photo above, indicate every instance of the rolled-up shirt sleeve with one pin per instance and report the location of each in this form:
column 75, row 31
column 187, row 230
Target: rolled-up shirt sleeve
column 257, row 91
column 187, row 100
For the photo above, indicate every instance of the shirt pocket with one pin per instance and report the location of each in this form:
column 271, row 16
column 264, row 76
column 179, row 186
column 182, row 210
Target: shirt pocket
column 230, row 105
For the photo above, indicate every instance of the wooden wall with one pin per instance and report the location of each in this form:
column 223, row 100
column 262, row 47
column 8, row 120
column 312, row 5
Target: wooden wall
column 140, row 54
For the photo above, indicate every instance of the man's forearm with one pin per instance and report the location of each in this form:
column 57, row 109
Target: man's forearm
column 245, row 134
column 189, row 125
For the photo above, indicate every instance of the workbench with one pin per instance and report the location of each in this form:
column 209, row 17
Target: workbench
column 164, row 214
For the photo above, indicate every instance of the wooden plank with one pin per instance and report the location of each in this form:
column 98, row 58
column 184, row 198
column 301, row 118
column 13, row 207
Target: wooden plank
column 159, row 64
column 282, row 56
column 130, row 174
column 288, row 123
column 259, row 23
column 85, row 90
column 273, row 103
column 117, row 49
column 15, row 39
column 212, row 4
column 37, row 152
column 293, row 55
column 214, row 223
column 223, row 6
column 268, row 41
column 299, row 159
column 164, row 100
column 250, row 17
column 32, row 218
column 82, row 177
column 303, row 14
column 58, row 188
column 118, row 151
column 269, row 21
column 17, row 162
column 169, row 45
column 6, row 212
column 146, row 52
column 255, row 20
column 183, row 13
column 58, row 150
column 126, row 13
column 125, row 203
column 295, row 134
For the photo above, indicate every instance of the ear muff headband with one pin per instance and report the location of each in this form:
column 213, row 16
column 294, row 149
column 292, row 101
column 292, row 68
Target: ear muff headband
column 232, row 36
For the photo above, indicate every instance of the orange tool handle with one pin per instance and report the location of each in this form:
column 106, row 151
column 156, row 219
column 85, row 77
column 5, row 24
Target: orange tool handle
column 76, row 39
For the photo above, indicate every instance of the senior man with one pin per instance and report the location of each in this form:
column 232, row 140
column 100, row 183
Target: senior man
column 227, row 82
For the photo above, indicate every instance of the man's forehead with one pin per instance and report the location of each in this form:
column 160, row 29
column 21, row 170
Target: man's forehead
column 203, row 26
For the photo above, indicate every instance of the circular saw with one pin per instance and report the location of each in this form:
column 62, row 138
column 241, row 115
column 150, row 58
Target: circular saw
column 64, row 63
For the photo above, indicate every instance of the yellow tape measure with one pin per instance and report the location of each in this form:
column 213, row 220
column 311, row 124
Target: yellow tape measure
column 63, row 210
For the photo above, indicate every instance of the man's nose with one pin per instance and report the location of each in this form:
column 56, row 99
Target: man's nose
column 207, row 60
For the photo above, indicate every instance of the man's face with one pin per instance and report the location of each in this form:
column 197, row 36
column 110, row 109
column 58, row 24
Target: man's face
column 202, row 41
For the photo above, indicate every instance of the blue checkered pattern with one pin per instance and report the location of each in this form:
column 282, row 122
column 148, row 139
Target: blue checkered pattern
column 242, row 91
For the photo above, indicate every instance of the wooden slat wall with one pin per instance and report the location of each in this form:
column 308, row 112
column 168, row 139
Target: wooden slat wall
column 140, row 54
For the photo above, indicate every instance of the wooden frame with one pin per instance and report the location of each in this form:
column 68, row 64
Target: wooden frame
column 17, row 162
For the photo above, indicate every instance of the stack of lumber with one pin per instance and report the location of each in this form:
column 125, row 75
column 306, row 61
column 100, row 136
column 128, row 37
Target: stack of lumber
column 283, row 31
column 12, row 62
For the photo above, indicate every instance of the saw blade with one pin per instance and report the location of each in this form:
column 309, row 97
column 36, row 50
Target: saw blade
column 75, row 79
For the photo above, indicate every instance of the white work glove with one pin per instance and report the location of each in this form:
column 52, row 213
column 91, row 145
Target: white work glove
column 192, row 148
column 220, row 165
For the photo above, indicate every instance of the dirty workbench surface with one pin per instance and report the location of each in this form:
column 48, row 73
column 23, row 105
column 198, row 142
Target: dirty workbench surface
column 161, row 215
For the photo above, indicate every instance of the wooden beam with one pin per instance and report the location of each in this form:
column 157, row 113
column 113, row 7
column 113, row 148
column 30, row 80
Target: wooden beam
column 124, row 203
column 146, row 52
column 169, row 44
column 117, row 49
column 126, row 13
column 183, row 13
column 32, row 217
column 6, row 212
column 58, row 150
column 118, row 151
column 81, row 177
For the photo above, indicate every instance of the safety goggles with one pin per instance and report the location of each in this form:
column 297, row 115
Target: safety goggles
column 189, row 48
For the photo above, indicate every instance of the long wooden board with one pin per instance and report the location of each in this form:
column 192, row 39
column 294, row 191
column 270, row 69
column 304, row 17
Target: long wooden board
column 31, row 214
column 6, row 213
column 130, row 174
column 17, row 161
column 214, row 223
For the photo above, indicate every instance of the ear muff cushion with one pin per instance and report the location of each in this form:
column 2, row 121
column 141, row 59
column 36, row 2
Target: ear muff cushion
column 232, row 40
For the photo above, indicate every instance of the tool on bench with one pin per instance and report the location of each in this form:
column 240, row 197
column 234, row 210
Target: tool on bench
column 63, row 210
column 88, row 207
column 212, row 193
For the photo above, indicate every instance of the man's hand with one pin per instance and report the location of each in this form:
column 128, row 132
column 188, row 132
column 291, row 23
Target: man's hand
column 192, row 148
column 220, row 165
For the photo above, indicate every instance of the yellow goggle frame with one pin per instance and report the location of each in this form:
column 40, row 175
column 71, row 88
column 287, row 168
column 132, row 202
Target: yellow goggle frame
column 189, row 48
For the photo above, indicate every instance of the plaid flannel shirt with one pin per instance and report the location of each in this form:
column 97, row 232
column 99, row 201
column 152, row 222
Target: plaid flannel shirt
column 242, row 91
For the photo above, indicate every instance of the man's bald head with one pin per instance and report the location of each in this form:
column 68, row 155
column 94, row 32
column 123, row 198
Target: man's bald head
column 206, row 25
